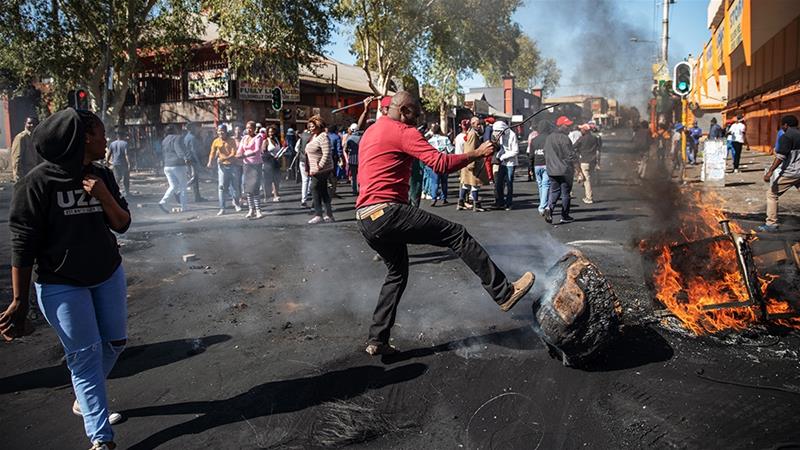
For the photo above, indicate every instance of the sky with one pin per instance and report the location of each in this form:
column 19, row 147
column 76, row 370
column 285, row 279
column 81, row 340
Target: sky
column 590, row 41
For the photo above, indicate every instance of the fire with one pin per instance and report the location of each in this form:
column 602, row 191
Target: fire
column 698, row 279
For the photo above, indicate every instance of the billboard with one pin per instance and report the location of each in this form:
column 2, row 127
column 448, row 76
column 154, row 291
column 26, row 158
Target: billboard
column 212, row 83
column 735, row 24
column 262, row 90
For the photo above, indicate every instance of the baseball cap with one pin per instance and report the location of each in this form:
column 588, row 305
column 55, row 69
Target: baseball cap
column 490, row 120
column 585, row 126
column 678, row 126
column 563, row 120
column 386, row 101
column 353, row 127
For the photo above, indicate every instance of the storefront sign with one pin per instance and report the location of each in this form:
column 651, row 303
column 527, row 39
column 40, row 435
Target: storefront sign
column 262, row 90
column 208, row 84
column 719, row 48
column 735, row 15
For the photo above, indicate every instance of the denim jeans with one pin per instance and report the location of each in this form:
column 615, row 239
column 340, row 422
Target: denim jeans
column 230, row 182
column 178, row 178
column 560, row 186
column 354, row 178
column 443, row 186
column 400, row 225
column 504, row 186
column 305, row 182
column 431, row 186
column 89, row 321
column 543, row 181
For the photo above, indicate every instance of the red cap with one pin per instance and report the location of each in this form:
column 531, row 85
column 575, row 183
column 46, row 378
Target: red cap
column 385, row 101
column 563, row 120
column 490, row 120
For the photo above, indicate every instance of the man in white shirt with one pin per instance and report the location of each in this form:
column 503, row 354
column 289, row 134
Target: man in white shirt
column 738, row 132
column 505, row 160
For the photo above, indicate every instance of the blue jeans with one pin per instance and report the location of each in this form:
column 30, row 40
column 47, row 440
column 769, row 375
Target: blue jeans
column 230, row 181
column 443, row 186
column 431, row 182
column 543, row 181
column 504, row 186
column 178, row 178
column 91, row 324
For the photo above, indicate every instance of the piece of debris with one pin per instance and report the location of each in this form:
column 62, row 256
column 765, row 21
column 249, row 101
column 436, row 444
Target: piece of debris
column 189, row 257
column 287, row 325
column 578, row 315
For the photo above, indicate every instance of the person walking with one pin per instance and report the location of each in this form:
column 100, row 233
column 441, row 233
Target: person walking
column 474, row 175
column 588, row 148
column 693, row 142
column 120, row 163
column 738, row 133
column 543, row 128
column 351, row 150
column 642, row 140
column 252, row 171
column 23, row 154
column 335, row 154
column 176, row 162
column 270, row 153
column 504, row 163
column 715, row 131
column 320, row 167
column 784, row 173
column 229, row 168
column 676, row 153
column 302, row 157
column 562, row 163
column 441, row 143
column 195, row 148
column 389, row 224
column 61, row 221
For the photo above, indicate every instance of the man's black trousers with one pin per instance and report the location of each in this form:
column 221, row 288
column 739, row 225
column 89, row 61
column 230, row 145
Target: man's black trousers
column 400, row 225
column 560, row 187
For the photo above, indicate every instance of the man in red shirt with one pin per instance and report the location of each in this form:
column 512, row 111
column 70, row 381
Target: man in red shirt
column 388, row 223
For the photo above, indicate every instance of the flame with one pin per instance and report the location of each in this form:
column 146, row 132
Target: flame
column 707, row 279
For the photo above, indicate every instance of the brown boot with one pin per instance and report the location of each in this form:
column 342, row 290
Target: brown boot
column 521, row 287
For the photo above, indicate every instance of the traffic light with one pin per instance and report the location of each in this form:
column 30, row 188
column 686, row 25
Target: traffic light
column 682, row 78
column 78, row 99
column 277, row 98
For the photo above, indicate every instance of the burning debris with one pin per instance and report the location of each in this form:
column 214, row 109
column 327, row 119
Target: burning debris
column 579, row 316
column 709, row 280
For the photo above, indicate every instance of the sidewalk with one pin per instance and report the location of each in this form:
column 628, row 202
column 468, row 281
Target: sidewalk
column 745, row 193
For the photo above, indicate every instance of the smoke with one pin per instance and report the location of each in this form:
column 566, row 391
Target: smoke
column 591, row 41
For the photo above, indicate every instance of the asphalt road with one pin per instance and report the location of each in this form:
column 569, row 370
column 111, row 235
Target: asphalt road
column 259, row 342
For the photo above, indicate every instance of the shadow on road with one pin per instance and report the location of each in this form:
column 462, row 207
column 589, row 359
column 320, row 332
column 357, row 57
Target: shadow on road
column 133, row 360
column 638, row 346
column 275, row 397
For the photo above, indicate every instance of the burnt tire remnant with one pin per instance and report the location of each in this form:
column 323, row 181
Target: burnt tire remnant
column 579, row 314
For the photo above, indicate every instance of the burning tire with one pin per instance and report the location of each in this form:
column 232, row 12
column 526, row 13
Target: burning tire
column 579, row 314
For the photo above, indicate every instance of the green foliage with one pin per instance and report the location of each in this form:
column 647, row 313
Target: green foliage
column 271, row 38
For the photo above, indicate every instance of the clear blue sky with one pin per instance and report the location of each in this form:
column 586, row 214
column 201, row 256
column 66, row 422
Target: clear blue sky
column 590, row 40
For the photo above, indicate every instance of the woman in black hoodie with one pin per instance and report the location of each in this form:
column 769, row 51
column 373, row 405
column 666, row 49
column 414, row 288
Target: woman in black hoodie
column 61, row 218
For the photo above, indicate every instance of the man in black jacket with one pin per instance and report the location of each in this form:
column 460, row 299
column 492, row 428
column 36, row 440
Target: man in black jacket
column 562, row 163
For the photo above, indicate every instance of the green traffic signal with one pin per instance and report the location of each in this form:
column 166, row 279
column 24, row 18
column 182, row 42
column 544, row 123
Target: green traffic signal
column 683, row 78
column 277, row 98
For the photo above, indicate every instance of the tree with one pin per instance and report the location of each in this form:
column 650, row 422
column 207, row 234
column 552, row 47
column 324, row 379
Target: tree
column 71, row 42
column 528, row 67
column 272, row 38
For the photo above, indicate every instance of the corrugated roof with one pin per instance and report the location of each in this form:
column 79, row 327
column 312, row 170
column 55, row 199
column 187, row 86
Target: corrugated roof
column 351, row 78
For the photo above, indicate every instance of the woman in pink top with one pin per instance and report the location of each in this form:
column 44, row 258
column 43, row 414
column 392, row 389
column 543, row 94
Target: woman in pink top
column 250, row 152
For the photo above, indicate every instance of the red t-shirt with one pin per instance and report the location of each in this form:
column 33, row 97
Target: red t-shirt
column 385, row 154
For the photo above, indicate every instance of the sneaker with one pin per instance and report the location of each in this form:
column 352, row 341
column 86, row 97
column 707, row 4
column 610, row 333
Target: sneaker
column 434, row 202
column 521, row 287
column 163, row 207
column 567, row 219
column 477, row 208
column 461, row 206
column 276, row 199
column 381, row 349
column 258, row 214
column 237, row 208
column 541, row 212
column 735, row 170
column 508, row 208
column 315, row 219
column 221, row 212
column 303, row 205
column 548, row 215
column 103, row 446
column 250, row 214
column 587, row 201
column 445, row 203
column 328, row 219
column 767, row 228
column 113, row 417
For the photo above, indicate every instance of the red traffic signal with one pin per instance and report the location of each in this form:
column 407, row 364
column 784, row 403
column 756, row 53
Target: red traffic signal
column 78, row 99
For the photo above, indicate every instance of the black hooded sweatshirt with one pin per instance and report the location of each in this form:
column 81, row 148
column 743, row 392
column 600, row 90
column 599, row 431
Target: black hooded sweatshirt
column 55, row 225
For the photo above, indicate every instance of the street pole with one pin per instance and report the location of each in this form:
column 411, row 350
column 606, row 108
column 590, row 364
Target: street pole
column 684, row 113
column 665, row 33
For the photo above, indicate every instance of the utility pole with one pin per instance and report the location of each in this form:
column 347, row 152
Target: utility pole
column 107, row 77
column 665, row 33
